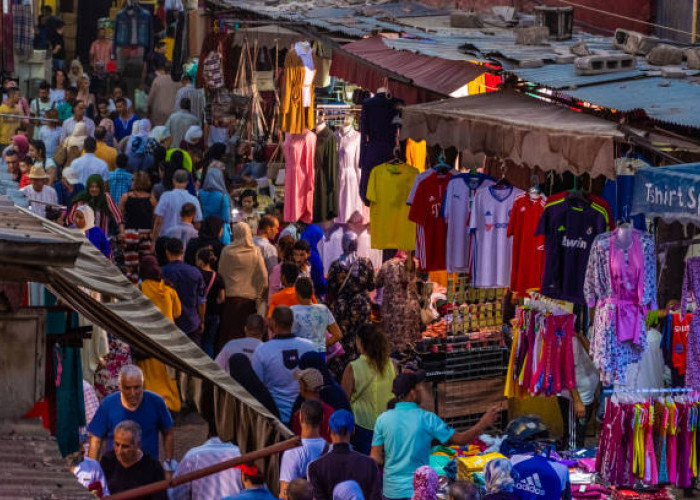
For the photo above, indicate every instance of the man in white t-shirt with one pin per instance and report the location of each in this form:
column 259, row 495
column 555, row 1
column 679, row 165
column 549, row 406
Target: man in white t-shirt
column 296, row 460
column 276, row 360
column 311, row 321
column 254, row 328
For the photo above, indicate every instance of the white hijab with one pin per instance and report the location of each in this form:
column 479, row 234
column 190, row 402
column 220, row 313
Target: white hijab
column 89, row 215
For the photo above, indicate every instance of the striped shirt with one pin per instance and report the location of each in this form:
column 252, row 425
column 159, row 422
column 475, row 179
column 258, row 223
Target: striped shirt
column 219, row 485
column 47, row 196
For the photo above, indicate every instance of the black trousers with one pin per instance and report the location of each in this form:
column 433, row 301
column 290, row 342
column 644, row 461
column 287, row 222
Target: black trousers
column 579, row 426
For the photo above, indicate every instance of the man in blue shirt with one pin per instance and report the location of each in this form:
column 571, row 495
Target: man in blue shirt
column 191, row 290
column 132, row 402
column 403, row 436
column 254, row 484
column 167, row 212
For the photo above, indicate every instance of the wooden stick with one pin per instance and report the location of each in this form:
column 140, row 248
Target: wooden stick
column 156, row 487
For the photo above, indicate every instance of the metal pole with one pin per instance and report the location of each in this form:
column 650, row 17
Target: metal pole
column 29, row 118
column 156, row 487
column 694, row 34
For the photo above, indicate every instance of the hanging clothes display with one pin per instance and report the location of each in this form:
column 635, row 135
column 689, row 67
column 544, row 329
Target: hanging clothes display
column 528, row 250
column 492, row 249
column 325, row 175
column 416, row 153
column 542, row 356
column 675, row 345
column 654, row 442
column 22, row 29
column 620, row 282
column 379, row 126
column 691, row 292
column 349, row 201
column 618, row 191
column 299, row 150
column 133, row 28
column 180, row 47
column 456, row 209
column 387, row 191
column 331, row 246
column 297, row 107
column 569, row 225
column 431, row 227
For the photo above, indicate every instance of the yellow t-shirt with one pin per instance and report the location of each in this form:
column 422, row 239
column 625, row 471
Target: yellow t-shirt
column 108, row 154
column 416, row 153
column 8, row 125
column 388, row 189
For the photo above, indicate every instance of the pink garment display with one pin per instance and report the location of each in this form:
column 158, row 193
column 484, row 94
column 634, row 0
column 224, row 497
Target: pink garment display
column 349, row 200
column 299, row 152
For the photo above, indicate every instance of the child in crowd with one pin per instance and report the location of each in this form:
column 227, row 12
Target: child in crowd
column 248, row 213
column 24, row 166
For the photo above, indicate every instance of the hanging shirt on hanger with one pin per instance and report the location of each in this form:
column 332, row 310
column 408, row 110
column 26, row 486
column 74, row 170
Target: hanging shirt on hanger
column 492, row 250
column 387, row 190
column 416, row 153
column 431, row 228
column 303, row 50
column 528, row 249
column 456, row 207
column 349, row 200
column 569, row 228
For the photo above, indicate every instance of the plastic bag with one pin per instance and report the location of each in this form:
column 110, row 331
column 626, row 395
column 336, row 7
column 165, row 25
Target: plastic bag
column 140, row 102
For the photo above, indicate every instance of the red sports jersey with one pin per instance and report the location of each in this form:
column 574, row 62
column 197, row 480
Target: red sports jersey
column 431, row 228
column 527, row 263
column 679, row 341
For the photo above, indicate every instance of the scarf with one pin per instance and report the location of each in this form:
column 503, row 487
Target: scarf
column 214, row 181
column 498, row 475
column 22, row 144
column 349, row 255
column 97, row 203
column 425, row 484
column 89, row 216
column 241, row 237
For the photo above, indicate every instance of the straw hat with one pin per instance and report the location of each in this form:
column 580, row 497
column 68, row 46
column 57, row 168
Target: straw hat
column 37, row 172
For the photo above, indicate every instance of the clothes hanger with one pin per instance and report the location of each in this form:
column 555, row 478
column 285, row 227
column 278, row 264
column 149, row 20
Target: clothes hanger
column 396, row 161
column 441, row 167
column 502, row 183
column 535, row 190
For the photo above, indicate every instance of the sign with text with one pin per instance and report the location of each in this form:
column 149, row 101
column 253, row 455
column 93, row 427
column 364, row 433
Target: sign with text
column 671, row 192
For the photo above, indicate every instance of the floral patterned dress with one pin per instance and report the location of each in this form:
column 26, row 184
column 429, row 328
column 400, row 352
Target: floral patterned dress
column 352, row 307
column 691, row 292
column 107, row 375
column 400, row 305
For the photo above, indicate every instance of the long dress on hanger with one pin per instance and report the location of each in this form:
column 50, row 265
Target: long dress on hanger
column 621, row 284
column 691, row 291
column 325, row 176
column 349, row 200
column 296, row 117
column 400, row 306
column 299, row 152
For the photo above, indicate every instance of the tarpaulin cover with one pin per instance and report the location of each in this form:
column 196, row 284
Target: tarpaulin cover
column 672, row 192
column 429, row 78
column 125, row 312
column 514, row 126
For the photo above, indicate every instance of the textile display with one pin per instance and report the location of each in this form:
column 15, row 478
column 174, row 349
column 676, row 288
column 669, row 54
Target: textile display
column 620, row 283
column 379, row 126
column 299, row 151
column 297, row 107
column 22, row 29
column 349, row 201
column 325, row 175
column 691, row 291
column 527, row 264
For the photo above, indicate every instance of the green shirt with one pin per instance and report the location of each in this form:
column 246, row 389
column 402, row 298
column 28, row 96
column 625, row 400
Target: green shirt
column 372, row 392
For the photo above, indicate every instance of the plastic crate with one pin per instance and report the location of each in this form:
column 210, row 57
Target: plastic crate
column 463, row 358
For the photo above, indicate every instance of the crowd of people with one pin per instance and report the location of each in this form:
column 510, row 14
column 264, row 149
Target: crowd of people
column 155, row 194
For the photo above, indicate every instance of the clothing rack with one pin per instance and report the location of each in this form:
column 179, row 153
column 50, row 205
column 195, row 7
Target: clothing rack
column 677, row 243
column 668, row 390
column 24, row 117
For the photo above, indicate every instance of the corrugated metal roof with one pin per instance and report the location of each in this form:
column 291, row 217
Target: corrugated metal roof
column 31, row 466
column 671, row 101
column 564, row 76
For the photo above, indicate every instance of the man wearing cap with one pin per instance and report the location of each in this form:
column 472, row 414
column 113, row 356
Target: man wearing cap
column 276, row 360
column 342, row 463
column 254, row 484
column 403, row 436
column 68, row 187
column 310, row 385
column 38, row 193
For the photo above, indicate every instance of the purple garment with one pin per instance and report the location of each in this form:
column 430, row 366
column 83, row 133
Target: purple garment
column 627, row 279
column 691, row 291
column 189, row 285
column 379, row 129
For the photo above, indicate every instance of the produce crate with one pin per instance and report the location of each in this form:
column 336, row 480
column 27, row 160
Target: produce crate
column 461, row 404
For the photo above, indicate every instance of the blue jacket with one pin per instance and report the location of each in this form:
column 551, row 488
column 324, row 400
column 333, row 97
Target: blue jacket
column 123, row 36
column 314, row 234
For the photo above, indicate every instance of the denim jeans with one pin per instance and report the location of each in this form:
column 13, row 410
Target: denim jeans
column 211, row 330
column 362, row 440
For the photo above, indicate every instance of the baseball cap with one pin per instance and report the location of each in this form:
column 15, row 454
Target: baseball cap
column 406, row 382
column 312, row 378
column 71, row 175
column 342, row 422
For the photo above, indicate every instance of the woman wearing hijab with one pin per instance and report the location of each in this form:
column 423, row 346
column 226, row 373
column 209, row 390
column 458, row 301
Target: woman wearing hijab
column 215, row 200
column 209, row 236
column 400, row 306
column 20, row 144
column 243, row 269
column 331, row 393
column 313, row 234
column 215, row 153
column 137, row 207
column 135, row 149
column 164, row 297
column 72, row 147
column 242, row 372
column 100, row 201
column 84, row 219
column 75, row 73
column 109, row 127
column 425, row 483
column 350, row 279
column 498, row 474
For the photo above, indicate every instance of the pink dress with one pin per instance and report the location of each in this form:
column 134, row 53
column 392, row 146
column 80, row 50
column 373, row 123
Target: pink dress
column 299, row 152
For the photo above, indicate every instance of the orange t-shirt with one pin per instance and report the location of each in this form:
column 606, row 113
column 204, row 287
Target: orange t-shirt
column 285, row 297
